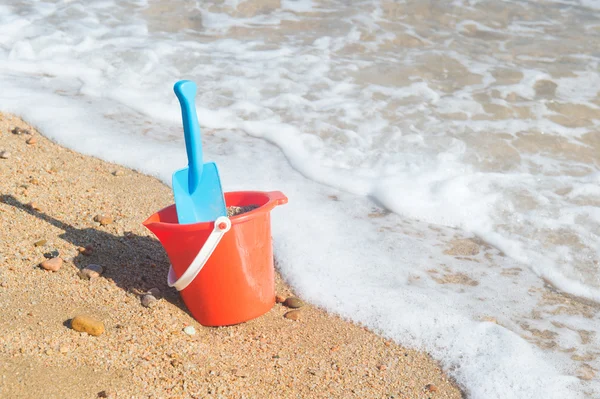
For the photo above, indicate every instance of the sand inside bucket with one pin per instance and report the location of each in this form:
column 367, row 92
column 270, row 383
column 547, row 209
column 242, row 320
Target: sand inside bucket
column 238, row 210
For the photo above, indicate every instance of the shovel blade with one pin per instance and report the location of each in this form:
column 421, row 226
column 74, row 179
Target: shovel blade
column 204, row 204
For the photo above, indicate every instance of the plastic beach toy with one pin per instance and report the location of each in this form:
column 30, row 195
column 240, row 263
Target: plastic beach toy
column 223, row 269
column 196, row 188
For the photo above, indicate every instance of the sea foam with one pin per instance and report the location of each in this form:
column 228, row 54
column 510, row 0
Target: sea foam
column 398, row 131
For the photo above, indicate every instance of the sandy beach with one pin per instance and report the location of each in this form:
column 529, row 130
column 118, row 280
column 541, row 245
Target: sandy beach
column 51, row 199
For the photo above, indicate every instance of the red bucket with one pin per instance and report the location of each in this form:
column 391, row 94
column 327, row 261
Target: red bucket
column 236, row 282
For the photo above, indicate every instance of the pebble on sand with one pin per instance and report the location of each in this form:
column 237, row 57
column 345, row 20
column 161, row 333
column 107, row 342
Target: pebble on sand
column 51, row 254
column 118, row 173
column 34, row 206
column 431, row 388
column 52, row 264
column 279, row 298
column 4, row 154
column 189, row 330
column 31, row 140
column 292, row 315
column 155, row 292
column 87, row 250
column 148, row 301
column 293, row 302
column 88, row 325
column 91, row 271
column 18, row 130
column 39, row 243
column 103, row 220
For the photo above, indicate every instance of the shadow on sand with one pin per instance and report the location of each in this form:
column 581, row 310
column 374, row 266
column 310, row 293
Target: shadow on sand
column 135, row 263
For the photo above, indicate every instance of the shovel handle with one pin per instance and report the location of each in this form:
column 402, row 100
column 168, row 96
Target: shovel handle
column 185, row 90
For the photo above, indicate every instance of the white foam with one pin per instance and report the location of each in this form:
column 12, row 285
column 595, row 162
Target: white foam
column 318, row 112
column 298, row 6
column 581, row 89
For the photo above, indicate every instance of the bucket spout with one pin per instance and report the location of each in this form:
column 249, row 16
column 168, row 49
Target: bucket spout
column 277, row 197
column 159, row 222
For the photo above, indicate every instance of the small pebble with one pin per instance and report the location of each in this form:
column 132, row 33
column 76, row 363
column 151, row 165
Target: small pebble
column 103, row 220
column 87, row 250
column 382, row 367
column 149, row 300
column 39, row 243
column 431, row 388
column 4, row 154
column 88, row 325
column 293, row 302
column 118, row 173
column 63, row 349
column 91, row 271
column 292, row 315
column 51, row 254
column 189, row 330
column 35, row 181
column 31, row 140
column 4, row 284
column 155, row 292
column 279, row 298
column 17, row 130
column 52, row 264
column 34, row 206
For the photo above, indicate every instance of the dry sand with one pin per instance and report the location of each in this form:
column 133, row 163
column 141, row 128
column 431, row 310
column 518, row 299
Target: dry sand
column 144, row 352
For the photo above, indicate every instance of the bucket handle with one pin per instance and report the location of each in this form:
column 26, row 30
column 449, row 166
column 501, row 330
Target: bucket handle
column 222, row 226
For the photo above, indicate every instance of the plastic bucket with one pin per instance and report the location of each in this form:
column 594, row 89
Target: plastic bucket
column 235, row 277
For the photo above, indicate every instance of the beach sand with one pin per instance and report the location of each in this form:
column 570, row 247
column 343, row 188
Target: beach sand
column 49, row 199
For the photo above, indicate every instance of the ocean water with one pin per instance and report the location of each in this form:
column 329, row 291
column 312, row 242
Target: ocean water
column 441, row 158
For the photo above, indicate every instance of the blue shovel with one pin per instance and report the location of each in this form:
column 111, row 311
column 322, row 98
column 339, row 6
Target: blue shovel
column 197, row 188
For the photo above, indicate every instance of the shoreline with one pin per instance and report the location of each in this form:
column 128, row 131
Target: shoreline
column 50, row 197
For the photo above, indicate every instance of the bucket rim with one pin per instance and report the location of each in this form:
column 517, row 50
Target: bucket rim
column 275, row 198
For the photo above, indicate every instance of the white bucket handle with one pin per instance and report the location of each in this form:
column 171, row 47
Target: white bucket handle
column 222, row 226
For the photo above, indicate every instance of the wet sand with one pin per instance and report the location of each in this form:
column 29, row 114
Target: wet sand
column 50, row 197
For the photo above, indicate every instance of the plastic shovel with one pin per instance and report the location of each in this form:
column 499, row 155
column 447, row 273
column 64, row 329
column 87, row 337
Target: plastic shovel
column 197, row 188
